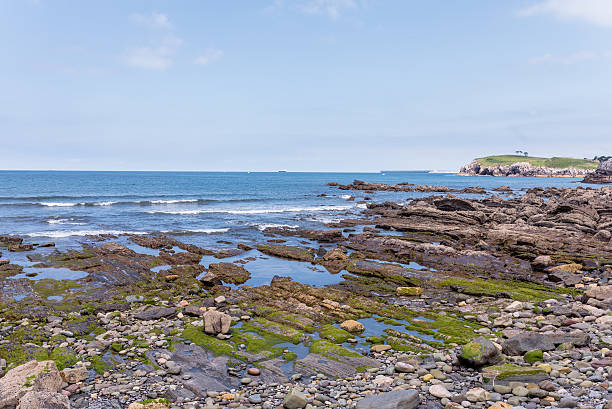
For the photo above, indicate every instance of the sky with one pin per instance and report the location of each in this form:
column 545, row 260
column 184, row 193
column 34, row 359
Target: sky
column 301, row 85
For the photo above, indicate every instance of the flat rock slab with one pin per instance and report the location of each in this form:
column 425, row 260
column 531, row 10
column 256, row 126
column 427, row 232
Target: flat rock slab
column 156, row 313
column 207, row 373
column 402, row 399
column 314, row 364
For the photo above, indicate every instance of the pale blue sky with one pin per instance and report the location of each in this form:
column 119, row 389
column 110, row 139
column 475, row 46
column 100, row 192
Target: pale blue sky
column 301, row 84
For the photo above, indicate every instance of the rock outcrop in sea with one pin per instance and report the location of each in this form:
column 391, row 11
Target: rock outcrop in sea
column 475, row 168
column 603, row 174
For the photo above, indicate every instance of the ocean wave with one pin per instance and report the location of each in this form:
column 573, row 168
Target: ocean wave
column 118, row 201
column 254, row 211
column 172, row 201
column 183, row 212
column 265, row 226
column 57, row 204
column 64, row 221
column 345, row 197
column 194, row 231
column 69, row 233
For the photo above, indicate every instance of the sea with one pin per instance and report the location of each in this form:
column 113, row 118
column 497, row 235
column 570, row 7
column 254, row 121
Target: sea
column 203, row 208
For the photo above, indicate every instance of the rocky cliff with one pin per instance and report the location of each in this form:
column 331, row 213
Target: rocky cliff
column 475, row 168
column 603, row 174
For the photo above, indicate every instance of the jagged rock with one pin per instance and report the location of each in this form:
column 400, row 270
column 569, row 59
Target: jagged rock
column 31, row 376
column 335, row 254
column 44, row 400
column 228, row 272
column 401, row 399
column 290, row 252
column 216, row 322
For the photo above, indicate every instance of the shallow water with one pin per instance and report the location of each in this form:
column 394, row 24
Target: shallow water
column 263, row 269
column 56, row 273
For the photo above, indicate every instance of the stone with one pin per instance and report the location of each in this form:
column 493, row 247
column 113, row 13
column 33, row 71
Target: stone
column 400, row 399
column 44, row 400
column 33, row 375
column 439, row 391
column 568, row 402
column 522, row 343
column 542, row 262
column 216, row 322
column 4, row 261
column 409, row 291
column 254, row 371
column 480, row 352
column 477, row 395
column 600, row 293
column 380, row 348
column 352, row 326
column 294, row 400
column 74, row 375
column 156, row 313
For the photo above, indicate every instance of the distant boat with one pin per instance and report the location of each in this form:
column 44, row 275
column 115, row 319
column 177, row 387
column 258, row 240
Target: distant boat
column 282, row 171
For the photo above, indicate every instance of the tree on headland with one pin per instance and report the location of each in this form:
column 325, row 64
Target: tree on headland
column 518, row 152
column 526, row 154
column 602, row 158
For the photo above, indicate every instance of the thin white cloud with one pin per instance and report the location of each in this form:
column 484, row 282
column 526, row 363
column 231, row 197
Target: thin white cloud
column 330, row 8
column 211, row 55
column 154, row 20
column 598, row 12
column 157, row 58
column 569, row 59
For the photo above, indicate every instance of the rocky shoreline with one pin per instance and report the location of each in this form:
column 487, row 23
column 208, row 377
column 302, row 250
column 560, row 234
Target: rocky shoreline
column 520, row 169
column 442, row 302
column 602, row 175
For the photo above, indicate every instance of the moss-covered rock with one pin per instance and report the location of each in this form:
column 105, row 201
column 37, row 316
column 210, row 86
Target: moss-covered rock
column 534, row 355
column 334, row 334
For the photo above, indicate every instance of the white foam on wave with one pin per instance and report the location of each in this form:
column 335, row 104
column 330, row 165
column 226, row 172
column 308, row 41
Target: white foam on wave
column 255, row 211
column 174, row 201
column 69, row 233
column 345, row 197
column 264, row 226
column 57, row 204
column 102, row 203
column 206, row 231
column 185, row 212
column 64, row 221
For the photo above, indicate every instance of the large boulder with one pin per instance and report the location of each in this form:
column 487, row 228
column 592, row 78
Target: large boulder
column 216, row 322
column 31, row 376
column 522, row 343
column 401, row 399
column 480, row 352
column 44, row 400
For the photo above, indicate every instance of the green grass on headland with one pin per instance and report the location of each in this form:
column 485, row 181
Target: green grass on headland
column 556, row 163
